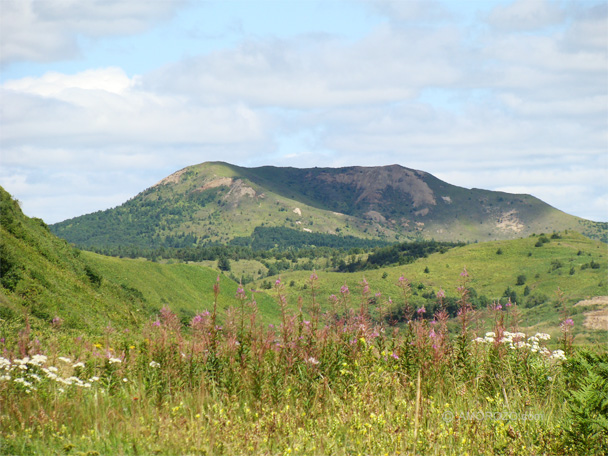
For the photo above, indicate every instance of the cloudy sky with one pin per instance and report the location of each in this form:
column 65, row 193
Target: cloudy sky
column 100, row 99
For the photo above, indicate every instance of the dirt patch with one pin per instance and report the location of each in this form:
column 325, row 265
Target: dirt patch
column 596, row 319
column 509, row 221
column 595, row 301
column 222, row 181
column 171, row 179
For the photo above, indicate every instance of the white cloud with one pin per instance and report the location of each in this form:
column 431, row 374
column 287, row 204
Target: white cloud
column 525, row 15
column 45, row 31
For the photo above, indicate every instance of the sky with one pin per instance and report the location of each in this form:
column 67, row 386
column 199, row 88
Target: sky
column 100, row 100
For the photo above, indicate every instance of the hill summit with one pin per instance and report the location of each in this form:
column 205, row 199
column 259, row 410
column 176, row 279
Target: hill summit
column 216, row 202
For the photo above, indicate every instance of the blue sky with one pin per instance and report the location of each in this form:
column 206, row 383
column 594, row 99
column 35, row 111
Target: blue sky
column 102, row 99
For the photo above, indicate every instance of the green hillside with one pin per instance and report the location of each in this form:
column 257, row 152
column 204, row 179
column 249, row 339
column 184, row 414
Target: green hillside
column 53, row 284
column 529, row 274
column 217, row 202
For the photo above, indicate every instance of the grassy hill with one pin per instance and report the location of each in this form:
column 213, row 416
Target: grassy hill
column 47, row 280
column 529, row 274
column 218, row 202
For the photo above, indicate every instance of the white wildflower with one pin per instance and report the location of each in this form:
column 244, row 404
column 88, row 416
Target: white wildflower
column 154, row 364
column 65, row 360
column 38, row 360
column 559, row 355
column 114, row 360
column 543, row 336
column 79, row 364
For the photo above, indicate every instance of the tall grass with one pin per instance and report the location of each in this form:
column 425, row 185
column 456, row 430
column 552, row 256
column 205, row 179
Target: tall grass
column 339, row 382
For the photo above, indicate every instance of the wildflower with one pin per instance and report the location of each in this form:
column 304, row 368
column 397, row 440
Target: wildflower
column 240, row 292
column 365, row 286
column 79, row 364
column 567, row 324
column 312, row 360
column 464, row 273
column 432, row 334
column 314, row 276
column 421, row 310
column 394, row 355
column 441, row 294
column 344, row 290
column 114, row 360
column 154, row 364
column 277, row 282
column 156, row 323
column 38, row 360
column 65, row 360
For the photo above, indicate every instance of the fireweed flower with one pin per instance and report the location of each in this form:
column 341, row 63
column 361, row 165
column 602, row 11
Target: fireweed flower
column 365, row 286
column 421, row 311
column 441, row 294
column 567, row 324
column 464, row 273
column 344, row 290
column 314, row 276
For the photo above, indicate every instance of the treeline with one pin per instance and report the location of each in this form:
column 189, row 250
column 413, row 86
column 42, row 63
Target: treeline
column 282, row 238
column 402, row 253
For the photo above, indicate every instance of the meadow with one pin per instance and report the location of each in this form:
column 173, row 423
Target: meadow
column 332, row 379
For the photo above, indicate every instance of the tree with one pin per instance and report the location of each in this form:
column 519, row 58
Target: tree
column 223, row 263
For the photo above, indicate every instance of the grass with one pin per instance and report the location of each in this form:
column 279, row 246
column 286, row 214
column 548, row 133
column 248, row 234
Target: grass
column 338, row 383
column 491, row 274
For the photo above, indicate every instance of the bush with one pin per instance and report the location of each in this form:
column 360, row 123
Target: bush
column 586, row 421
column 521, row 280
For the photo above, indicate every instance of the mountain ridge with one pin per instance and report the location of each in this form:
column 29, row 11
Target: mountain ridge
column 217, row 201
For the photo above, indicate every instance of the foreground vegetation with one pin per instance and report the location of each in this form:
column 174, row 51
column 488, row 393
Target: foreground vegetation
column 333, row 382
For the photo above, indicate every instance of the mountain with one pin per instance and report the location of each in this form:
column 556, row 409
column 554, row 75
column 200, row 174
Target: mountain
column 218, row 202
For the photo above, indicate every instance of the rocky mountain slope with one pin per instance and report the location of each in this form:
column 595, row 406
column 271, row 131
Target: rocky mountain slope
column 216, row 202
